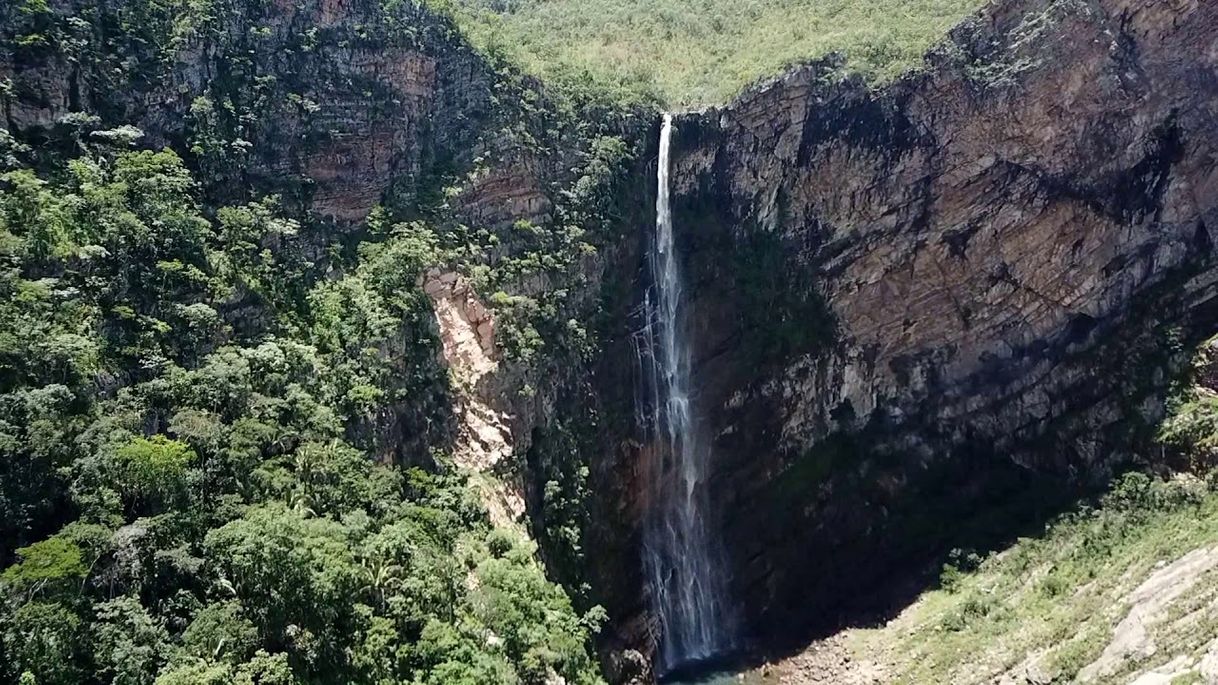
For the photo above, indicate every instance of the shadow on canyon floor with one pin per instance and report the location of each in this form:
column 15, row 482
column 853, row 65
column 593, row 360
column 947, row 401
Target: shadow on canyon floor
column 977, row 513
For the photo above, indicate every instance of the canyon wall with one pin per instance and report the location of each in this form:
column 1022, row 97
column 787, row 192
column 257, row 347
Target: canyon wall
column 327, row 102
column 919, row 305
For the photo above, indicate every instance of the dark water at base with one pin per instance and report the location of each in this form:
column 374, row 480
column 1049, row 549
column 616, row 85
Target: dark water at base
column 712, row 679
column 719, row 670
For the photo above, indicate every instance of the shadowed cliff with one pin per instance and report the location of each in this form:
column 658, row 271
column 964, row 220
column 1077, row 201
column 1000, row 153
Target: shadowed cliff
column 931, row 313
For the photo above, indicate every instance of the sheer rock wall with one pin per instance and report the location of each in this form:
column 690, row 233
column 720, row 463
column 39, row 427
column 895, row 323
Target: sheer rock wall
column 908, row 301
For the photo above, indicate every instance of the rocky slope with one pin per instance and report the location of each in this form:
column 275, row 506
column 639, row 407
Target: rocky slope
column 915, row 304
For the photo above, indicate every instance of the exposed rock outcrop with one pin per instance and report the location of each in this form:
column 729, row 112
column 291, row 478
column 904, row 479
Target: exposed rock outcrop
column 910, row 300
column 321, row 99
column 1148, row 606
column 484, row 436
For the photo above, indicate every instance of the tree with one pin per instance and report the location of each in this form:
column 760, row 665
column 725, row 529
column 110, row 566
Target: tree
column 296, row 574
column 48, row 568
column 129, row 644
column 152, row 472
column 43, row 639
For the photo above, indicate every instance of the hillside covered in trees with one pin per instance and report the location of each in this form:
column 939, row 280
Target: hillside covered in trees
column 211, row 517
column 702, row 52
column 225, row 428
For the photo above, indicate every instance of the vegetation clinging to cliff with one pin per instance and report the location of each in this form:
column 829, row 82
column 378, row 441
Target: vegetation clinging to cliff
column 224, row 431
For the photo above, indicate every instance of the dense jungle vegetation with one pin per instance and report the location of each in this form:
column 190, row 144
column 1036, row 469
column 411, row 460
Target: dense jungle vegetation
column 224, row 426
column 702, row 52
column 225, row 525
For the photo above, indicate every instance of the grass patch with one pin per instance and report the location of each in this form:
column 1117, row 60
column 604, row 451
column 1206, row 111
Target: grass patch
column 695, row 52
column 1053, row 600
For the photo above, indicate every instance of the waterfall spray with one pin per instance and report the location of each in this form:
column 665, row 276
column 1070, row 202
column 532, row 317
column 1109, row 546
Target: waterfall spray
column 684, row 564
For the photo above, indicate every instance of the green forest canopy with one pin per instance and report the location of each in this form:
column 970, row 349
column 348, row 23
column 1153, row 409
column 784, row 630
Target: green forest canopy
column 696, row 52
column 224, row 524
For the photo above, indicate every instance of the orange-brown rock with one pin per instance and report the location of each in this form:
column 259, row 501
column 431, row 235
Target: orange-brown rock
column 335, row 105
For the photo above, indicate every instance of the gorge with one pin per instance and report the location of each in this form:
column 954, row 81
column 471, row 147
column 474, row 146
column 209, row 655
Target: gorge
column 333, row 337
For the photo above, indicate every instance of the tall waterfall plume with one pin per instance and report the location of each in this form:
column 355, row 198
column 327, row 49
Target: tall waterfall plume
column 684, row 563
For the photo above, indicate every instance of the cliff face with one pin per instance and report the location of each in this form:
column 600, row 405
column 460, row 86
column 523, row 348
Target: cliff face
column 328, row 101
column 910, row 302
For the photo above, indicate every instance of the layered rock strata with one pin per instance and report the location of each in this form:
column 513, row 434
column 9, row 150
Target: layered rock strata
column 915, row 302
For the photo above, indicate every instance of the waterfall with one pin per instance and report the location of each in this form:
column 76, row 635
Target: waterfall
column 683, row 563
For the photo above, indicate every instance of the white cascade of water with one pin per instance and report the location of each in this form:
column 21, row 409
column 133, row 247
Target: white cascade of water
column 684, row 564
